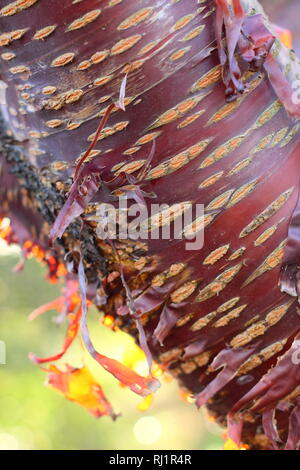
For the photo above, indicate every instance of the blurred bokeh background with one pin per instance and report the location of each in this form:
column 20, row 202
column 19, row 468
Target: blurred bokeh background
column 285, row 13
column 35, row 417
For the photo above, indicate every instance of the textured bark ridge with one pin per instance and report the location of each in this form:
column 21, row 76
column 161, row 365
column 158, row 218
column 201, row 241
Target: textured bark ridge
column 215, row 318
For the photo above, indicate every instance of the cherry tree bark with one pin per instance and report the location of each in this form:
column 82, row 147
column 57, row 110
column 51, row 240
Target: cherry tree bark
column 196, row 104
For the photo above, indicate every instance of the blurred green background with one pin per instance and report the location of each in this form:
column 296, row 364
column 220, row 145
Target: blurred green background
column 33, row 416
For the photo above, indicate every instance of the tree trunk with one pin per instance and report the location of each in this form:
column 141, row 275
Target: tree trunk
column 215, row 318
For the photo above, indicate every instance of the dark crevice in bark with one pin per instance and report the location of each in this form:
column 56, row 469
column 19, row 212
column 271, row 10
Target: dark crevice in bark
column 49, row 201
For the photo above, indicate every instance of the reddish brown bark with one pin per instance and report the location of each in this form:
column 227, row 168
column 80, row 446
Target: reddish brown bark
column 215, row 318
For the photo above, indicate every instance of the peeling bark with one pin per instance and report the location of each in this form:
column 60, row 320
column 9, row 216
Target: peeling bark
column 216, row 318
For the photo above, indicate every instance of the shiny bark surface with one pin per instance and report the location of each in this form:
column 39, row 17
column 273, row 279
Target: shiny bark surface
column 216, row 317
